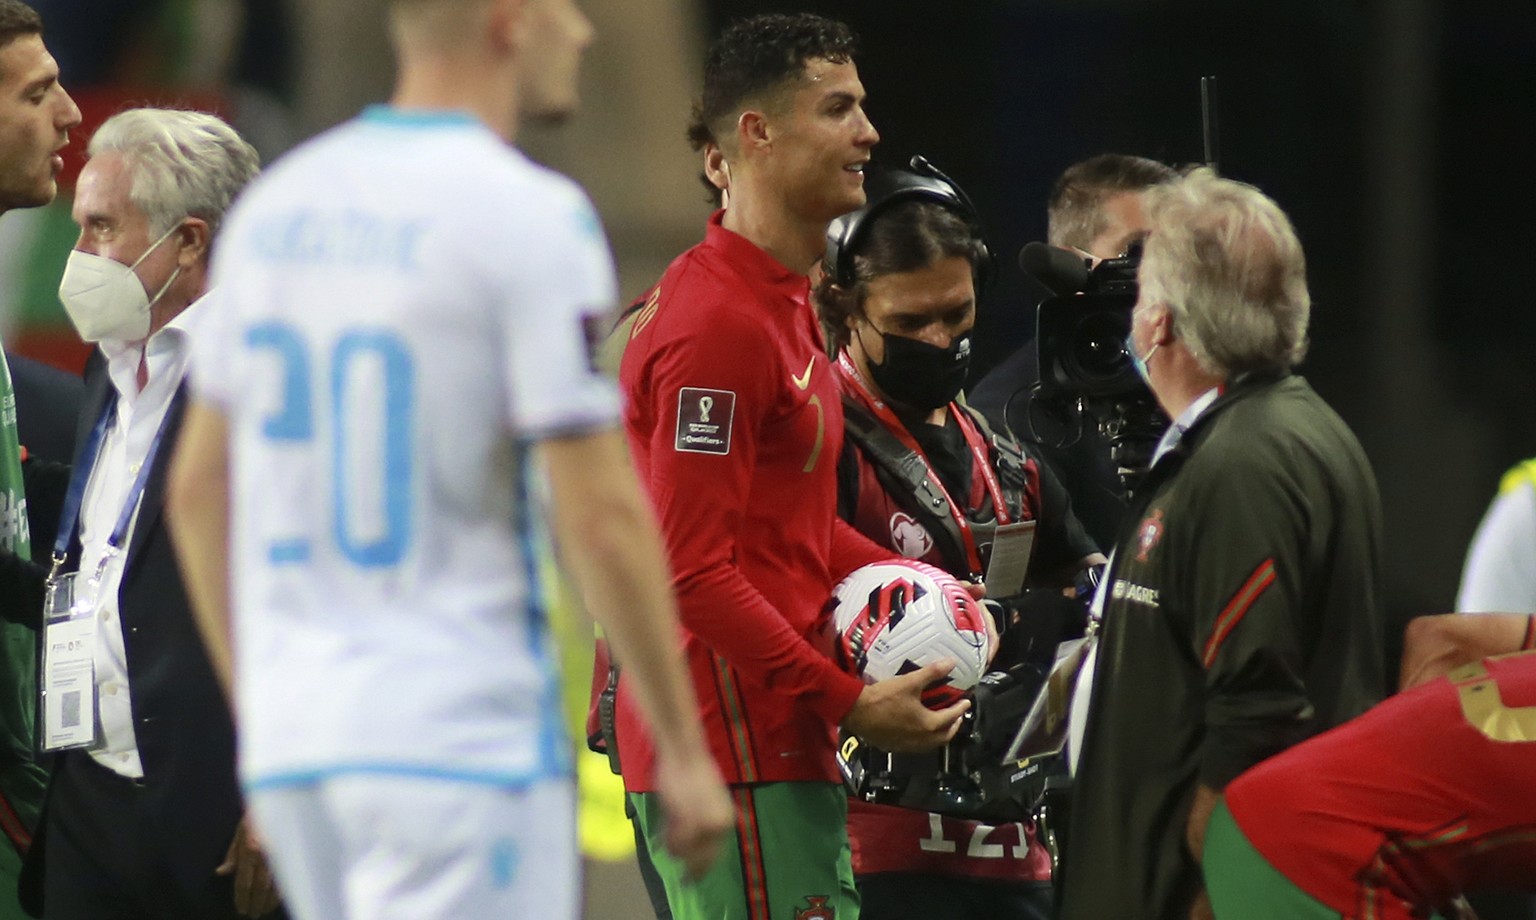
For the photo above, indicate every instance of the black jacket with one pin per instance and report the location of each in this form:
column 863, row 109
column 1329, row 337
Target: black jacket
column 1243, row 614
column 47, row 404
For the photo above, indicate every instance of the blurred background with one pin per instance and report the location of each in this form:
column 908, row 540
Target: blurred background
column 1388, row 129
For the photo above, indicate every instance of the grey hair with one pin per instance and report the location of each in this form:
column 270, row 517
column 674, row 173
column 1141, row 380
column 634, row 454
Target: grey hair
column 1226, row 261
column 182, row 164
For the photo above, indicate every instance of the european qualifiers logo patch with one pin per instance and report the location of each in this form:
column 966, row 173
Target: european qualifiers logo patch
column 1147, row 535
column 908, row 537
column 704, row 420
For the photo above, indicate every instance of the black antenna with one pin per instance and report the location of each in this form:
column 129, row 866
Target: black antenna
column 1210, row 128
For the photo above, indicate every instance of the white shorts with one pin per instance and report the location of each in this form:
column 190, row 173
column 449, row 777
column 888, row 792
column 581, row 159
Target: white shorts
column 370, row 847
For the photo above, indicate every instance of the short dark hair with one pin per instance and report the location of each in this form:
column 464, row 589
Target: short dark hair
column 904, row 237
column 1075, row 210
column 17, row 20
column 758, row 55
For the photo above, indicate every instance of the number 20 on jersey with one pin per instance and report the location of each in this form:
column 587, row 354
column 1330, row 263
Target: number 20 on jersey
column 366, row 382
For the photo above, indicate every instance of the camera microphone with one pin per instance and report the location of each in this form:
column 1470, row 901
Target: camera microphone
column 1057, row 269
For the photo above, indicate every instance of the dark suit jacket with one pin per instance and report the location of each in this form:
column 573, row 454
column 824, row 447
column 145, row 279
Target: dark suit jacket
column 47, row 410
column 47, row 405
column 182, row 724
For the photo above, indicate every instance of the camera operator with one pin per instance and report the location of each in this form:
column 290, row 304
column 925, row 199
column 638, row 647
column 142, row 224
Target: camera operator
column 1095, row 210
column 1241, row 612
column 898, row 301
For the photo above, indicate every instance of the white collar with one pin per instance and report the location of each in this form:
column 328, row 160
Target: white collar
column 123, row 357
column 1191, row 413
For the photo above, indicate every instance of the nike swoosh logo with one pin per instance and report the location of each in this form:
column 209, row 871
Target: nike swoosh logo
column 804, row 381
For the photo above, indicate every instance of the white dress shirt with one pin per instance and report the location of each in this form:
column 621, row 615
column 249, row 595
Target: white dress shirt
column 124, row 449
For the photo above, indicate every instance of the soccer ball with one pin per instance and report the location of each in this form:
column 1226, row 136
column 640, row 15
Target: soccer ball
column 894, row 617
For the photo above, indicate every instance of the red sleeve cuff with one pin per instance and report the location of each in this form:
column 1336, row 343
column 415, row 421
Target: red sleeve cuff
column 836, row 700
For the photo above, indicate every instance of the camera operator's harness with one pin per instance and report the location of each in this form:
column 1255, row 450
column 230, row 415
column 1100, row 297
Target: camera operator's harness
column 969, row 778
column 902, row 466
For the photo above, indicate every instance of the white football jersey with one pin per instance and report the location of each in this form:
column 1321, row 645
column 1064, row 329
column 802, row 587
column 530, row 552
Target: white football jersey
column 400, row 315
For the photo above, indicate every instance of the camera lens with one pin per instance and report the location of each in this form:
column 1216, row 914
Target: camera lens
column 1098, row 346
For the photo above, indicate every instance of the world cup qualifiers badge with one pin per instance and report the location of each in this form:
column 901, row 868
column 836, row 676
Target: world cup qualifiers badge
column 1148, row 534
column 704, row 420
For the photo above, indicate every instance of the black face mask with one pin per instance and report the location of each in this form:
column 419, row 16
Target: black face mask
column 921, row 376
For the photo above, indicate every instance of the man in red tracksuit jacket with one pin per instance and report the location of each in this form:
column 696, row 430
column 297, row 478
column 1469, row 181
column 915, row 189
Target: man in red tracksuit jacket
column 734, row 420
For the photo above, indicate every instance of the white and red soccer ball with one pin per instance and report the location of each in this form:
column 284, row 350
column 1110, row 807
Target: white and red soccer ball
column 895, row 617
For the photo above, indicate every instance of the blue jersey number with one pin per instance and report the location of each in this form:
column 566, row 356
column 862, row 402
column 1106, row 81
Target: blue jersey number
column 293, row 420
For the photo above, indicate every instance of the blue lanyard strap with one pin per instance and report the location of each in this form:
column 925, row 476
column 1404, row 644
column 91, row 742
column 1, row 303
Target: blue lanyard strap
column 79, row 474
column 140, row 482
column 69, row 519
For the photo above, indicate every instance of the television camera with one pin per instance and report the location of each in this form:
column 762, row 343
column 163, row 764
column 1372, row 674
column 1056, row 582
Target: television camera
column 1085, row 362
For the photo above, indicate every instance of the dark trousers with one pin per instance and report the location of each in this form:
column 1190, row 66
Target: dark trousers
column 915, row 896
column 108, row 858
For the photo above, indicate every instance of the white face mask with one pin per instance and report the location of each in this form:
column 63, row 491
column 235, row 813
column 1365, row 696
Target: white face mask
column 104, row 298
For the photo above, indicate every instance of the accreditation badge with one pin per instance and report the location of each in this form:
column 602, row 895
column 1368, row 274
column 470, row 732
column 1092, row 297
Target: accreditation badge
column 68, row 685
column 1012, row 547
column 1044, row 730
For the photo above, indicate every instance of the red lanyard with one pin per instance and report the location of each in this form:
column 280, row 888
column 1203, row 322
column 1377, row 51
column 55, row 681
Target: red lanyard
column 972, row 438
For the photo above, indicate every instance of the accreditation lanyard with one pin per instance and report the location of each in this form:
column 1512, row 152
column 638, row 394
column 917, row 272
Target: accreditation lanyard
column 973, row 439
column 85, row 462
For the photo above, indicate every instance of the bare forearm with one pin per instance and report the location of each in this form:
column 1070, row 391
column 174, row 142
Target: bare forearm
column 628, row 594
column 200, row 534
column 197, row 510
column 1435, row 645
column 1200, row 811
column 610, row 545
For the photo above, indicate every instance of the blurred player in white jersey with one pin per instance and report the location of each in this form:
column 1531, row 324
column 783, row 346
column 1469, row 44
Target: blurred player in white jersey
column 404, row 325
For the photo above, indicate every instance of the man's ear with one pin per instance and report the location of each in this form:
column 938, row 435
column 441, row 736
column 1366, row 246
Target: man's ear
column 1162, row 325
column 753, row 131
column 845, row 297
column 716, row 169
column 506, row 24
column 192, row 240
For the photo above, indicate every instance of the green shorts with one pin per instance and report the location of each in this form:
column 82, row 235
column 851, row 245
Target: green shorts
column 787, row 859
column 1244, row 886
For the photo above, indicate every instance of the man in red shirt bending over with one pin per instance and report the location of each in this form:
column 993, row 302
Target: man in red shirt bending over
column 1393, row 815
column 735, row 420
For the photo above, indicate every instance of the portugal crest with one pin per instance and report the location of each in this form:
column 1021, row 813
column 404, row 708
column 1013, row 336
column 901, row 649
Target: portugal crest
column 1147, row 535
column 818, row 909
